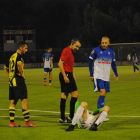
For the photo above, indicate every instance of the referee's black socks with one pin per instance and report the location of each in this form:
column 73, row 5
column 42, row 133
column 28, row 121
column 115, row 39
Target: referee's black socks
column 72, row 106
column 62, row 108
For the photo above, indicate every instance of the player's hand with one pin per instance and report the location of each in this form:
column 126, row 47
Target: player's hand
column 92, row 78
column 66, row 79
column 116, row 78
column 74, row 77
column 50, row 68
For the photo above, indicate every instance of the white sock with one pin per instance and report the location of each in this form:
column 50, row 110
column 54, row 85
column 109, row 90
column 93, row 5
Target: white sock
column 78, row 114
column 101, row 118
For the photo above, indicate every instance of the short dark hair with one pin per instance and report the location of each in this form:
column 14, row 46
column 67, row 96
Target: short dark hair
column 73, row 41
column 21, row 43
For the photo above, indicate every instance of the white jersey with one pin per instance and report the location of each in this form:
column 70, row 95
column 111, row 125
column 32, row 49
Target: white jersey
column 47, row 59
column 86, row 124
column 102, row 62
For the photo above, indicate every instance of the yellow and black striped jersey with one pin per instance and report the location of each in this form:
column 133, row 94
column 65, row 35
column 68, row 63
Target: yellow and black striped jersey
column 12, row 66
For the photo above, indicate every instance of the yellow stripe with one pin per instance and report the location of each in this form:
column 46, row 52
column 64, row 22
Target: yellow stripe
column 27, row 111
column 26, row 116
column 26, row 120
column 5, row 67
column 11, row 108
column 11, row 118
column 14, row 82
column 11, row 111
column 19, row 61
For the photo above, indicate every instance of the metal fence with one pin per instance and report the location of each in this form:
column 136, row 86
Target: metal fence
column 121, row 51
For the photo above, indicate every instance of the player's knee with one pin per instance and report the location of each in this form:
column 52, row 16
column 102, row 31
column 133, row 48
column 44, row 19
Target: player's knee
column 84, row 104
column 106, row 108
column 75, row 94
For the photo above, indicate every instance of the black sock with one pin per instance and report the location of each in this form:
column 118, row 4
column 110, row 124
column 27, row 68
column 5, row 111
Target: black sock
column 72, row 106
column 62, row 108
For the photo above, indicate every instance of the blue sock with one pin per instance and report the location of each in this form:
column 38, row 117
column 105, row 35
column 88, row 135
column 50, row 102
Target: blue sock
column 45, row 79
column 50, row 81
column 136, row 67
column 101, row 101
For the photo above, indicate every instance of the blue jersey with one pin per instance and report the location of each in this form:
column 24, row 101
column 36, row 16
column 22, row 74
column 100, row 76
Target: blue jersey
column 103, row 60
column 47, row 59
column 134, row 57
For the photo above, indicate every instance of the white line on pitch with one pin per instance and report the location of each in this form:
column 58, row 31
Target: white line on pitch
column 68, row 113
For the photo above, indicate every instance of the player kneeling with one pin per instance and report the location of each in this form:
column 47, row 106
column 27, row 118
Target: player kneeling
column 87, row 121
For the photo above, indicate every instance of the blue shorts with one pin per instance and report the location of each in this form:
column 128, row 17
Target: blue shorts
column 46, row 70
column 100, row 84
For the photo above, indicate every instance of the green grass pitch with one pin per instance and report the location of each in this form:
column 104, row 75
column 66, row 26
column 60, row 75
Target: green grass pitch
column 124, row 101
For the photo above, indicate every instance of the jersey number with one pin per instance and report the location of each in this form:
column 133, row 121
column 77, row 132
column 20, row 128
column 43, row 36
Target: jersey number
column 12, row 66
column 47, row 58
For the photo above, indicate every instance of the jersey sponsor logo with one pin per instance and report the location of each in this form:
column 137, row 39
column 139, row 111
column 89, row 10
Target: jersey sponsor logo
column 92, row 52
column 106, row 60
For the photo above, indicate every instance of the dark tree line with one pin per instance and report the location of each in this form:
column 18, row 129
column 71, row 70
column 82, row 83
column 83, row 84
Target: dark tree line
column 87, row 19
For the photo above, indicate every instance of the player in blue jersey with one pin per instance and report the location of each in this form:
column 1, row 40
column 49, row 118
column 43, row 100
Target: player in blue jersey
column 134, row 60
column 103, row 59
column 48, row 65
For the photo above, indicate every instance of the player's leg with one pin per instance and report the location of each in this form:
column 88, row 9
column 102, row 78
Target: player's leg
column 62, row 107
column 26, row 115
column 81, row 112
column 50, row 78
column 100, row 118
column 12, row 107
column 45, row 76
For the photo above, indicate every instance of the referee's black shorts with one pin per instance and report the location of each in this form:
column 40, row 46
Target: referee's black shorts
column 19, row 91
column 67, row 87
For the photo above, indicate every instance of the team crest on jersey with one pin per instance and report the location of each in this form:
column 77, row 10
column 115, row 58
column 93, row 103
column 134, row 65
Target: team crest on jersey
column 21, row 59
column 65, row 51
column 101, row 52
column 92, row 52
column 109, row 53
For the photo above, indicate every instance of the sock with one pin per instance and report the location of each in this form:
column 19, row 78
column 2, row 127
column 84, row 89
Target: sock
column 101, row 101
column 12, row 114
column 62, row 108
column 72, row 106
column 136, row 67
column 97, row 111
column 78, row 114
column 45, row 79
column 26, row 115
column 101, row 118
column 77, row 104
column 50, row 81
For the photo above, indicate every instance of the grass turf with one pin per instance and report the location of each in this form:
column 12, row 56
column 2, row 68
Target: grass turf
column 123, row 100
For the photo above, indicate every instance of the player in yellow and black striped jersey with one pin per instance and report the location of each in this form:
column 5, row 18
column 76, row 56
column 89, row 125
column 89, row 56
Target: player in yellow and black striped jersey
column 17, row 87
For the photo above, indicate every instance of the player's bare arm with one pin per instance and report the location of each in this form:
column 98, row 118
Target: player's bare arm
column 60, row 64
column 6, row 70
column 19, row 66
column 51, row 63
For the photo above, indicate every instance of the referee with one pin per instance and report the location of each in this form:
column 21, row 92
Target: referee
column 17, row 86
column 67, row 79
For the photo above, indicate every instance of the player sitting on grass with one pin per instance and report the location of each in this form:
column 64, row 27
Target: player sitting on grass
column 87, row 121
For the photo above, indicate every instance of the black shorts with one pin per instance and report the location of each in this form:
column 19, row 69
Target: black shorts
column 67, row 87
column 19, row 91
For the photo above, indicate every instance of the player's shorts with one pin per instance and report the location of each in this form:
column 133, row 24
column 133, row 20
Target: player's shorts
column 67, row 87
column 100, row 84
column 86, row 124
column 46, row 70
column 19, row 91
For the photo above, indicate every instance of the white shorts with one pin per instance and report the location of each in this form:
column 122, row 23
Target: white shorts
column 86, row 124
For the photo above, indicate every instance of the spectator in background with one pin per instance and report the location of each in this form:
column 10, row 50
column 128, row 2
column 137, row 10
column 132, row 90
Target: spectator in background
column 33, row 58
column 129, row 58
